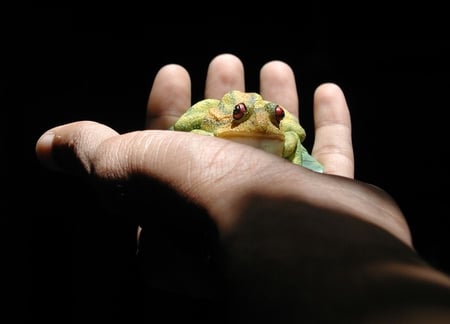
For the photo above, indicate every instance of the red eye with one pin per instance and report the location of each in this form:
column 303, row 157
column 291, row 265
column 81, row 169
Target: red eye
column 239, row 111
column 279, row 113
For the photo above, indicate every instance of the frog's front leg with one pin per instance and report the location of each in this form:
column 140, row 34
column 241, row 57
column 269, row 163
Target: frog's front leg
column 308, row 161
column 201, row 132
column 291, row 141
column 295, row 152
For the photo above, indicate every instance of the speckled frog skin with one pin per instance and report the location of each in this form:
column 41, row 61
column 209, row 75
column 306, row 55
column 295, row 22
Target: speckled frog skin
column 246, row 117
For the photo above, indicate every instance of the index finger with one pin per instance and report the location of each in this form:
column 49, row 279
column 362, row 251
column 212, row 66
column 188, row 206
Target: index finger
column 169, row 97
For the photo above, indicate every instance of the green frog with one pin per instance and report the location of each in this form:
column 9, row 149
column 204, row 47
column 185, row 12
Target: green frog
column 245, row 117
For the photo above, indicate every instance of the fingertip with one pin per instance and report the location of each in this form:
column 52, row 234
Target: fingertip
column 172, row 69
column 280, row 68
column 227, row 58
column 44, row 150
column 71, row 147
column 328, row 90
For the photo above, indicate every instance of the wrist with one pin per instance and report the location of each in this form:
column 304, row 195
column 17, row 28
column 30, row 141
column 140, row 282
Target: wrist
column 321, row 265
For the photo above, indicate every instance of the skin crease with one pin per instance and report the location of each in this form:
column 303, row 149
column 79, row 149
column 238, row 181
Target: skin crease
column 103, row 154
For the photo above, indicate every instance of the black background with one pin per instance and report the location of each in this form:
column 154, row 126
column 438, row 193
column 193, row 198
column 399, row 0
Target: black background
column 68, row 64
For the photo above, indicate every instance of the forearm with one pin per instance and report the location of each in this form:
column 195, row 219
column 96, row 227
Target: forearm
column 310, row 265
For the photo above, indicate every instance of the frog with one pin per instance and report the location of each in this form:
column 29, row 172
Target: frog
column 247, row 118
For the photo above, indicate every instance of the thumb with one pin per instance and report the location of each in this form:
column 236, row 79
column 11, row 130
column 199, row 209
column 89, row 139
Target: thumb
column 66, row 148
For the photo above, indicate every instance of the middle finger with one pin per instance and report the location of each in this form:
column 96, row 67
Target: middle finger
column 225, row 73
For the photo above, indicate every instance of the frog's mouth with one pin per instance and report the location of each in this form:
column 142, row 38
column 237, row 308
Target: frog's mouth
column 270, row 143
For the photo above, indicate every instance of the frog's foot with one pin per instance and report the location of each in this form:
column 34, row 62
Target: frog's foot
column 311, row 163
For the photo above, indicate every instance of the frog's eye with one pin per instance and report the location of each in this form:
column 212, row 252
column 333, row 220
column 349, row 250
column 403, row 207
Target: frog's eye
column 279, row 113
column 239, row 111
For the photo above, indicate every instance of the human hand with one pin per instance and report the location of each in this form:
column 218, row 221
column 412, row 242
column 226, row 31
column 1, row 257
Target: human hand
column 299, row 245
column 237, row 172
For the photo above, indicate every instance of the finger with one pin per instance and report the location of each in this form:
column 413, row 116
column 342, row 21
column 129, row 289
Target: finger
column 333, row 141
column 69, row 148
column 225, row 73
column 169, row 97
column 277, row 84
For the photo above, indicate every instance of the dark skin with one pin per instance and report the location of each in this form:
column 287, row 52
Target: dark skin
column 295, row 245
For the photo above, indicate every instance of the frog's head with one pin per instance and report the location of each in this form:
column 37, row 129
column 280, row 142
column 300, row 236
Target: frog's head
column 252, row 121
